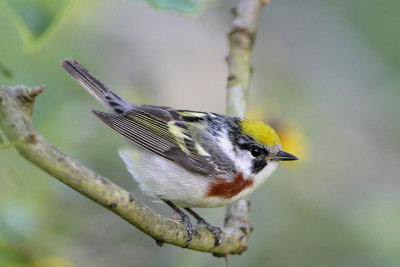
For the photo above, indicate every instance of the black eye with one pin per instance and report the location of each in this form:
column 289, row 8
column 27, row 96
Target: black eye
column 255, row 151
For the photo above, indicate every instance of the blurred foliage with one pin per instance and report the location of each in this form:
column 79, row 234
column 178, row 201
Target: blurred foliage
column 381, row 35
column 326, row 75
column 36, row 18
column 191, row 7
column 5, row 71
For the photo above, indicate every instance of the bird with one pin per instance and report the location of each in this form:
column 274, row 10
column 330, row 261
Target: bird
column 188, row 159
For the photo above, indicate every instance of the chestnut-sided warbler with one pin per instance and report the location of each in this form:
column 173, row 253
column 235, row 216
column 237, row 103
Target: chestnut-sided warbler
column 187, row 158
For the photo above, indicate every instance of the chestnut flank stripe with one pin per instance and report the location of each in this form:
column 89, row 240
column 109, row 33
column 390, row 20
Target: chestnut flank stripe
column 227, row 189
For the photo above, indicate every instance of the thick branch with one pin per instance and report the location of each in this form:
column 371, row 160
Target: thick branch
column 16, row 106
column 241, row 39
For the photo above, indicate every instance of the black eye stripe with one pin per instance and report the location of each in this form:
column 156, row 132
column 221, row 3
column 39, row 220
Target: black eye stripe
column 245, row 146
column 243, row 143
column 251, row 146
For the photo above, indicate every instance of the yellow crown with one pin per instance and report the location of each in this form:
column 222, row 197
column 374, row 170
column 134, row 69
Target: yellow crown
column 261, row 132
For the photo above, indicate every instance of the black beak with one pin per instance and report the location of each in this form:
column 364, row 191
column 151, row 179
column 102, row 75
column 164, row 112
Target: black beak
column 282, row 155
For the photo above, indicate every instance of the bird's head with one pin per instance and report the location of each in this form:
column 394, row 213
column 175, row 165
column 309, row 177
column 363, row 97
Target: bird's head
column 257, row 145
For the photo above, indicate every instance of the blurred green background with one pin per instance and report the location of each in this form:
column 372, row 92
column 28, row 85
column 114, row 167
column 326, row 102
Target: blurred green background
column 326, row 74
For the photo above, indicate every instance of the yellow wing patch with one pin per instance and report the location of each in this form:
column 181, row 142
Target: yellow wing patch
column 180, row 136
column 261, row 132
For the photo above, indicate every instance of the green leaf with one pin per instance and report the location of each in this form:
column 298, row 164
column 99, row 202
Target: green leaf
column 6, row 72
column 189, row 7
column 35, row 18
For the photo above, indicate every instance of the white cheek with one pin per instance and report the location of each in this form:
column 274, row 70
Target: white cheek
column 244, row 162
column 226, row 146
column 241, row 158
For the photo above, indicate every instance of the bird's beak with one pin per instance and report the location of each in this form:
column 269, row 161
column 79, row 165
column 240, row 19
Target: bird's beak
column 282, row 155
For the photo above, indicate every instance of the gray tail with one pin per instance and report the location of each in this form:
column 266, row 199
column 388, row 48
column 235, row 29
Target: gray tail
column 95, row 87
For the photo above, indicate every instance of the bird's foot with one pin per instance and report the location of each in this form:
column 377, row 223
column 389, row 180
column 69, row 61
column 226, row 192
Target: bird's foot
column 189, row 227
column 186, row 221
column 213, row 229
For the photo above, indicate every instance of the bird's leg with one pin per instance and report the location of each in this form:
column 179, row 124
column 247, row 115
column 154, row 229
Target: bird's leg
column 215, row 230
column 174, row 217
column 186, row 221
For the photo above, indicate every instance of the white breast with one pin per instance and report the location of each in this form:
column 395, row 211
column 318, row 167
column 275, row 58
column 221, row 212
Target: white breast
column 164, row 179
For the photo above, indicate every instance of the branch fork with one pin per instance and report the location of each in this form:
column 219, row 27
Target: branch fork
column 17, row 105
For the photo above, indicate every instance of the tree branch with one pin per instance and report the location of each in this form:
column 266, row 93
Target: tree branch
column 241, row 38
column 16, row 106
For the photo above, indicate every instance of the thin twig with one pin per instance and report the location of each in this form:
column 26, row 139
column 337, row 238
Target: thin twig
column 241, row 38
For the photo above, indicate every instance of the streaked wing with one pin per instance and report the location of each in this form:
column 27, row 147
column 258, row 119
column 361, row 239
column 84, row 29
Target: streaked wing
column 158, row 130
